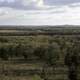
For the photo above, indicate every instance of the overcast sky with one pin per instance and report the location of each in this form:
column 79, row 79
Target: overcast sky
column 39, row 12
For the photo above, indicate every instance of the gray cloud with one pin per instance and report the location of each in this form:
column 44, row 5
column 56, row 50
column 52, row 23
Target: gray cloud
column 60, row 2
column 50, row 12
column 17, row 4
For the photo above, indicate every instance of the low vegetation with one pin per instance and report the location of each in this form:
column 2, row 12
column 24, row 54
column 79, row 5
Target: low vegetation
column 39, row 57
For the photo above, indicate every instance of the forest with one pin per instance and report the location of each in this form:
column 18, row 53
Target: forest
column 40, row 56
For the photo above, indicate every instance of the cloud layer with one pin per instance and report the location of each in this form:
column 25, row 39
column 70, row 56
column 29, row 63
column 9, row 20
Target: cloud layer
column 39, row 12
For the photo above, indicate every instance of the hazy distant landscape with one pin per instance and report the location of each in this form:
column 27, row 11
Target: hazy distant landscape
column 40, row 52
column 39, row 30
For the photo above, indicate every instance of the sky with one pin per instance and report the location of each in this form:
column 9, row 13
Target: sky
column 39, row 12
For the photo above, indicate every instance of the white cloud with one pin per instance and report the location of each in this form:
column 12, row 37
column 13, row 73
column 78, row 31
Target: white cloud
column 26, row 2
column 53, row 16
column 39, row 3
column 36, row 3
column 10, row 1
column 2, row 0
column 75, row 4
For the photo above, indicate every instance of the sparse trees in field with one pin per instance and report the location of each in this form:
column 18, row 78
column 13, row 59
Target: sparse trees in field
column 50, row 57
column 72, row 60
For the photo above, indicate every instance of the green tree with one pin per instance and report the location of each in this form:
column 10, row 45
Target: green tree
column 3, row 53
column 72, row 60
column 51, row 56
